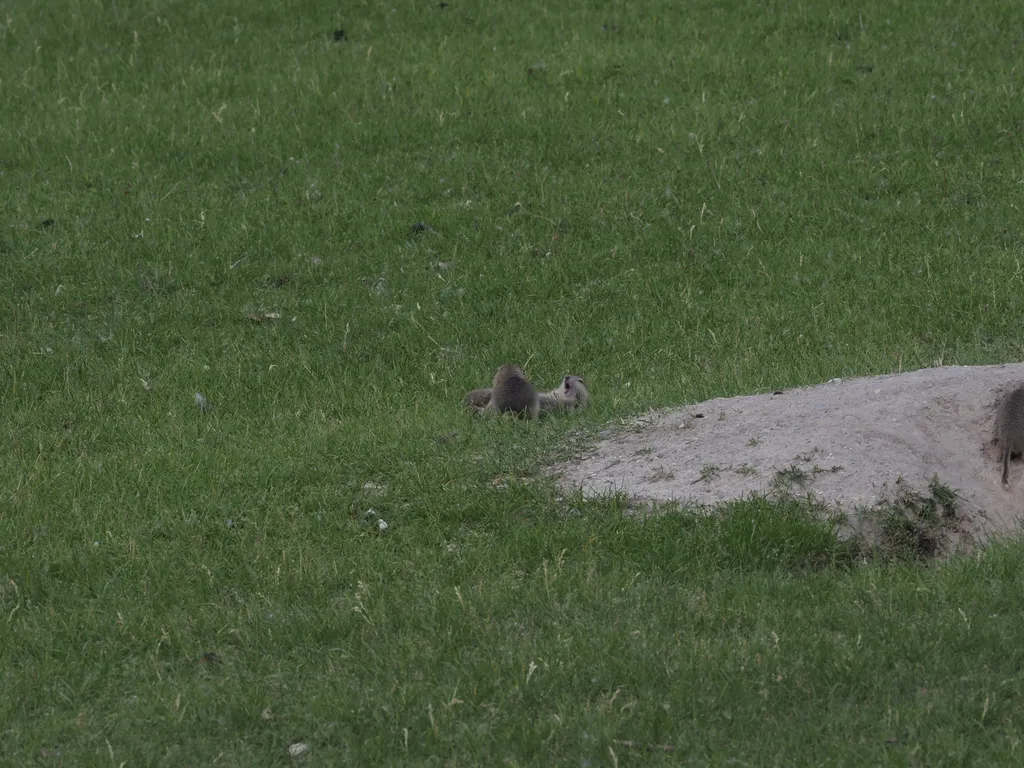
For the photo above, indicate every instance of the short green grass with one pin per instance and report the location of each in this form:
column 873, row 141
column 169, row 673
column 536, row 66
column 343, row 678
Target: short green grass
column 676, row 201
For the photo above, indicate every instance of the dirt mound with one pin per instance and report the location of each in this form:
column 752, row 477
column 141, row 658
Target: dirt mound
column 848, row 443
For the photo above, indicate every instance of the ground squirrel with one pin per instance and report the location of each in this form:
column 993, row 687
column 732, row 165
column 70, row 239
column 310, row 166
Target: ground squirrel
column 1009, row 432
column 512, row 392
column 572, row 394
column 479, row 398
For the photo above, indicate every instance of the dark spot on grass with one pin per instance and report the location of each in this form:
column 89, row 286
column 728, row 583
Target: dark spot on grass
column 340, row 36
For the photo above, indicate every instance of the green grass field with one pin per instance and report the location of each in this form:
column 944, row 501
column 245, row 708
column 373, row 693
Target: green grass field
column 676, row 201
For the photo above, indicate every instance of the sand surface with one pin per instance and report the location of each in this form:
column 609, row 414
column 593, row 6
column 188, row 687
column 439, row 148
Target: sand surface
column 853, row 438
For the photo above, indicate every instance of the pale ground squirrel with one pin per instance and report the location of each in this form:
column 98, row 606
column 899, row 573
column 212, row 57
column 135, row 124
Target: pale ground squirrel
column 571, row 395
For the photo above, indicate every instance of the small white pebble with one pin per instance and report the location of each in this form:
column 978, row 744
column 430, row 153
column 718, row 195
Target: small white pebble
column 298, row 749
column 382, row 526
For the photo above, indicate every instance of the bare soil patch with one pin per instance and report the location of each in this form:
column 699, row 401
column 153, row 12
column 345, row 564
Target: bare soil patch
column 851, row 444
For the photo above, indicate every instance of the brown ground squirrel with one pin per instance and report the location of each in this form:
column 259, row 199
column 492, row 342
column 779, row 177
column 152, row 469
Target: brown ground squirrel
column 512, row 392
column 1009, row 431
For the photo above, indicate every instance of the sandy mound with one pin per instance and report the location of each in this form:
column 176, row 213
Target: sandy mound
column 848, row 440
